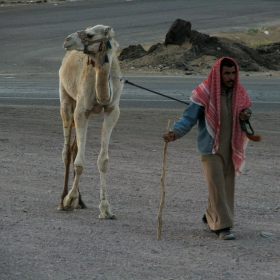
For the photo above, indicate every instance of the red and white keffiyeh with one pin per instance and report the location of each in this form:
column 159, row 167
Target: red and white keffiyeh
column 208, row 95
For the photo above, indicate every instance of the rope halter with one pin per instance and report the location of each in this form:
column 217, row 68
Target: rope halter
column 104, row 45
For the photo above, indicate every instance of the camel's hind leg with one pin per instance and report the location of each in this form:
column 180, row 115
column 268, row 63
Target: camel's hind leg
column 67, row 105
column 67, row 161
column 110, row 120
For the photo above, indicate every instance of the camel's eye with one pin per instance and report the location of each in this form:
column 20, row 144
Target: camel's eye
column 90, row 36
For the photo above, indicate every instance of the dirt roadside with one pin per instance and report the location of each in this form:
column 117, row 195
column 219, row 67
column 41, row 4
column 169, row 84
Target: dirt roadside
column 38, row 242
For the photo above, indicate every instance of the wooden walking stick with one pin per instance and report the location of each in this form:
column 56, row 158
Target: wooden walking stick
column 163, row 187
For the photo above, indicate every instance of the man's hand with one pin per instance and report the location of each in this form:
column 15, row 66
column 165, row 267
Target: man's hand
column 245, row 115
column 169, row 137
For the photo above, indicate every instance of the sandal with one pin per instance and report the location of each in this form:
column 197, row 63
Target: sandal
column 225, row 234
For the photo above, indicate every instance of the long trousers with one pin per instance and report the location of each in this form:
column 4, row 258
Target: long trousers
column 220, row 178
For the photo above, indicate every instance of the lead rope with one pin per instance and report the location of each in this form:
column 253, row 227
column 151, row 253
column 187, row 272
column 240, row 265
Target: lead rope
column 161, row 94
column 244, row 124
column 123, row 80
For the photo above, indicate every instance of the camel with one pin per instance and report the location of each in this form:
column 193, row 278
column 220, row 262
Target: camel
column 89, row 83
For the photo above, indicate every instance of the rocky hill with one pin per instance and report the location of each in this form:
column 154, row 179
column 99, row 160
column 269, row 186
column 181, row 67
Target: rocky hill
column 193, row 52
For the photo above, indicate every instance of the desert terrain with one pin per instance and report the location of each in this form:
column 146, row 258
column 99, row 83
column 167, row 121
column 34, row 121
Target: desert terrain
column 39, row 242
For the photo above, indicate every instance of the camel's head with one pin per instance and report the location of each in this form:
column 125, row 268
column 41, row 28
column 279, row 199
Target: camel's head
column 88, row 40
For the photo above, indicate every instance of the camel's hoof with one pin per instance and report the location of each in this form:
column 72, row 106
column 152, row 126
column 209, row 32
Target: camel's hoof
column 60, row 207
column 113, row 217
column 107, row 217
column 82, row 205
column 67, row 208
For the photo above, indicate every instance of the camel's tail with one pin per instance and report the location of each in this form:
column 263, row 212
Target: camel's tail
column 74, row 149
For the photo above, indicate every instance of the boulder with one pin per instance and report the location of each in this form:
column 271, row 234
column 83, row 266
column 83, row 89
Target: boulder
column 132, row 52
column 179, row 31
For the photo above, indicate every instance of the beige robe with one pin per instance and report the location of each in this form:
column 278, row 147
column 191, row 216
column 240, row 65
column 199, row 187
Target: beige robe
column 220, row 173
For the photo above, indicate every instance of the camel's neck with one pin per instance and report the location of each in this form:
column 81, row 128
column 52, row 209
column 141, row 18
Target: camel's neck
column 102, row 86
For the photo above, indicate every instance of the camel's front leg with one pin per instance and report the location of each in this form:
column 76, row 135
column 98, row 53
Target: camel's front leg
column 73, row 199
column 110, row 120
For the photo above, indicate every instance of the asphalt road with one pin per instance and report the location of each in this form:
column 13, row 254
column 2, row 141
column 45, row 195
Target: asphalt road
column 32, row 35
column 42, row 89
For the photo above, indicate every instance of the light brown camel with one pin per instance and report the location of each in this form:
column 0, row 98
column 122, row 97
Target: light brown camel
column 89, row 84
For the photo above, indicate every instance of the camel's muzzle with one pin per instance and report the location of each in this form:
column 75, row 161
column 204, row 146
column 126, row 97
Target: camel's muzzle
column 83, row 36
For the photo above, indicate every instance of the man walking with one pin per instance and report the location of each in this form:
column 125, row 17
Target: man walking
column 218, row 104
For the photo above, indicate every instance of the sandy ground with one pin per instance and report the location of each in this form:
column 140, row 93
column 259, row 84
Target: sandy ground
column 39, row 242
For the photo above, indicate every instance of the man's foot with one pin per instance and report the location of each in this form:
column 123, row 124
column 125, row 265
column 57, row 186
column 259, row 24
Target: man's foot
column 225, row 234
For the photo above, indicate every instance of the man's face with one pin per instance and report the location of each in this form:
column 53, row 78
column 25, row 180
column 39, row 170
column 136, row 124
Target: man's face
column 228, row 77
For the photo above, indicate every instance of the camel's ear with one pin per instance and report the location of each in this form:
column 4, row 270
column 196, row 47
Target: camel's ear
column 107, row 31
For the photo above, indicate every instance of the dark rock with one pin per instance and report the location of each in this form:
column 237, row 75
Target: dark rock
column 197, row 38
column 247, row 58
column 132, row 52
column 270, row 52
column 154, row 47
column 270, row 48
column 258, row 59
column 179, row 31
